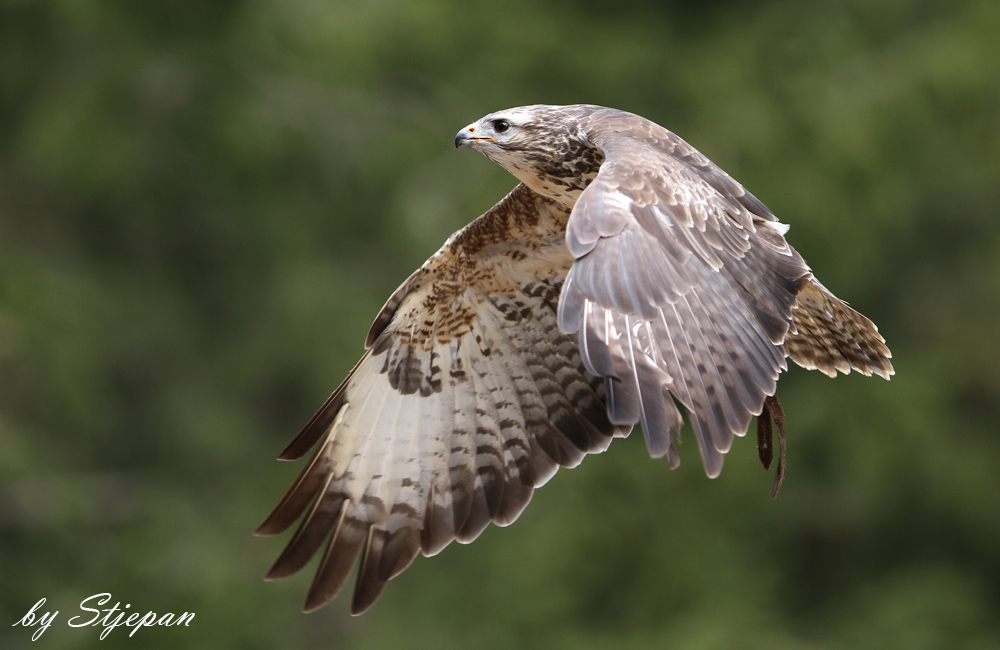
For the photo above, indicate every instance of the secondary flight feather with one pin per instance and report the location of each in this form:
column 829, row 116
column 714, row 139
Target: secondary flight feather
column 625, row 280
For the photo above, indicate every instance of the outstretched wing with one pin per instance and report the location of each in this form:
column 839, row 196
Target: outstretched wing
column 467, row 399
column 683, row 285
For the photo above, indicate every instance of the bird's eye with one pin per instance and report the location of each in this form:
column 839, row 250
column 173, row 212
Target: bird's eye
column 500, row 125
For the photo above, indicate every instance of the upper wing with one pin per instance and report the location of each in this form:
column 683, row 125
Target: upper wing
column 468, row 397
column 682, row 284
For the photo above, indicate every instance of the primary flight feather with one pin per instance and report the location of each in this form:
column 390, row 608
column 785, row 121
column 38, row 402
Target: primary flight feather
column 625, row 279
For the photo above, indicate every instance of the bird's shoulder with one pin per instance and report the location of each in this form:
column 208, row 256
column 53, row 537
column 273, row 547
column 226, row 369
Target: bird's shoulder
column 648, row 158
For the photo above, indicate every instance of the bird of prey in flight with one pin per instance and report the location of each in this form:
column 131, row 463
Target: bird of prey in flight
column 626, row 280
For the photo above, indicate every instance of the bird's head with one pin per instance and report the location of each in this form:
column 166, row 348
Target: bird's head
column 545, row 147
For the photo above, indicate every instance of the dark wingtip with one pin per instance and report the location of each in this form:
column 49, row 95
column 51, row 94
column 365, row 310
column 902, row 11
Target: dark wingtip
column 263, row 530
column 271, row 527
column 314, row 602
column 270, row 577
column 366, row 592
column 281, row 569
column 316, row 427
column 321, row 421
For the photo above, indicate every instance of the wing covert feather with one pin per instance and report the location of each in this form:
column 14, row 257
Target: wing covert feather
column 667, row 243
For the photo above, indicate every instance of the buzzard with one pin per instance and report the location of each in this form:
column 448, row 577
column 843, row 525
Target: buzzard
column 625, row 280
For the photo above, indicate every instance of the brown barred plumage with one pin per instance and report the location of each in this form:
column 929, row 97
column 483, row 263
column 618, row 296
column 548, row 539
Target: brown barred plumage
column 625, row 279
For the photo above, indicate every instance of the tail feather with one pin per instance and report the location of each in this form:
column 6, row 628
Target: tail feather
column 829, row 336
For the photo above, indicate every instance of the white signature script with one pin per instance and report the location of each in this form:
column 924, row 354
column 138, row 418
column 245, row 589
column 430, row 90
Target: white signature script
column 110, row 620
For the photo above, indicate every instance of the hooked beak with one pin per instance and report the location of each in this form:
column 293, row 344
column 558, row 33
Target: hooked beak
column 468, row 136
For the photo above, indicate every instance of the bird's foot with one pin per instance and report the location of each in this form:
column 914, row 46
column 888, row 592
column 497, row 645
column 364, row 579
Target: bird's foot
column 765, row 444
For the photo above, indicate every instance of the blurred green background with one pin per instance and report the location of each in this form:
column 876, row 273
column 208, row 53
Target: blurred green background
column 204, row 204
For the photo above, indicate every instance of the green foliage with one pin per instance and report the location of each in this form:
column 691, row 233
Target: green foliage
column 204, row 204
